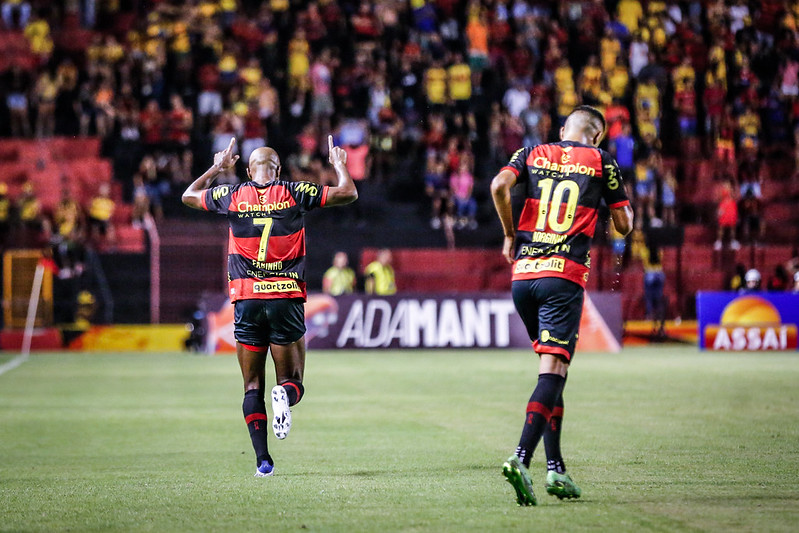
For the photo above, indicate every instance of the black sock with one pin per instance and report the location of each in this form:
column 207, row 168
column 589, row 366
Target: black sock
column 255, row 415
column 539, row 410
column 552, row 438
column 294, row 390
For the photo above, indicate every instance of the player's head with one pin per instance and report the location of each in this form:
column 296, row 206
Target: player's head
column 264, row 162
column 584, row 124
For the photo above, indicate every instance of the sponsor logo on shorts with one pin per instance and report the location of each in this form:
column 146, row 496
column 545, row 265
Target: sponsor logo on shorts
column 547, row 264
column 547, row 337
column 275, row 286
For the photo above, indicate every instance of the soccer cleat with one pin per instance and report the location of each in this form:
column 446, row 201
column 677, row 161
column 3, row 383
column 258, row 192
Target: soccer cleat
column 266, row 469
column 562, row 486
column 281, row 423
column 516, row 474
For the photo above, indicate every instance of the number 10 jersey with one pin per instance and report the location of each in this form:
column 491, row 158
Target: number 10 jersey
column 266, row 247
column 564, row 184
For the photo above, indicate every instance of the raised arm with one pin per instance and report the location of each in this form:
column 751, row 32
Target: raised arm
column 500, row 192
column 193, row 195
column 344, row 192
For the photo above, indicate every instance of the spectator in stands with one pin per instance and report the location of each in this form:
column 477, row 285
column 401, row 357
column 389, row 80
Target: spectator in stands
column 713, row 101
column 254, row 132
column 795, row 287
column 379, row 275
column 385, row 136
column 436, row 188
column 141, row 202
column 726, row 219
column 103, row 108
column 736, row 281
column 34, row 225
column 17, row 84
column 459, row 84
column 179, row 124
column 339, row 278
column 461, row 185
column 38, row 34
column 209, row 101
column 622, row 147
column 749, row 132
column 668, row 199
column 536, row 123
column 5, row 216
column 651, row 257
column 780, row 280
column 751, row 281
column 153, row 186
column 792, row 264
column 45, row 92
column 516, row 99
column 67, row 241
column 101, row 209
column 298, row 65
column 354, row 137
column 16, row 13
column 645, row 190
column 322, row 106
column 752, row 228
column 435, row 87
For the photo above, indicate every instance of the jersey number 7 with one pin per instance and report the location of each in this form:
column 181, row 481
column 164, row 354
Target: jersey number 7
column 266, row 222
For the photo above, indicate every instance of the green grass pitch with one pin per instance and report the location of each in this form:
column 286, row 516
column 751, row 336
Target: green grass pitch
column 660, row 439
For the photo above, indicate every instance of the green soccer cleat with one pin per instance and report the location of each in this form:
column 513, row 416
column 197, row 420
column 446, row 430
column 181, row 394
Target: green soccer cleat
column 516, row 474
column 562, row 486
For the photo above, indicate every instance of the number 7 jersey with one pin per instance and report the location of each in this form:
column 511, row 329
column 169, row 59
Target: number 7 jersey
column 564, row 183
column 266, row 248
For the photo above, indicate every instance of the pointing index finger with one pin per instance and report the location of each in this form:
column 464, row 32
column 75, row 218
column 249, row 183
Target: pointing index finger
column 330, row 143
column 232, row 143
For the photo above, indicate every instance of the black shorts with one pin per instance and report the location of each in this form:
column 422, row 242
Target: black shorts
column 259, row 323
column 550, row 309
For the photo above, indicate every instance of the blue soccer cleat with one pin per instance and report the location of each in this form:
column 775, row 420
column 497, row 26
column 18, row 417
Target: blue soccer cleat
column 265, row 469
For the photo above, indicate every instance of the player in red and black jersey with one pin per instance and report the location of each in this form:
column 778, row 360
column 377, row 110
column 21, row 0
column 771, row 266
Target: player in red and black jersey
column 266, row 274
column 564, row 184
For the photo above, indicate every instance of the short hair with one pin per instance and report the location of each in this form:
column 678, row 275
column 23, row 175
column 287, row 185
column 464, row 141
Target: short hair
column 595, row 115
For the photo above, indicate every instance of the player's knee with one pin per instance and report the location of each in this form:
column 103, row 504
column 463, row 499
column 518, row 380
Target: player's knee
column 294, row 390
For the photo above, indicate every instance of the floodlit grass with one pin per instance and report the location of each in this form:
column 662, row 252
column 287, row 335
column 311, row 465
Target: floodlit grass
column 660, row 439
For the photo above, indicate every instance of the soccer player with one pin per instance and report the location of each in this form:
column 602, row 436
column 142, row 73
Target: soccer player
column 563, row 183
column 266, row 274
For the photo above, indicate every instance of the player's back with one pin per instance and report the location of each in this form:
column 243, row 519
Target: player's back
column 564, row 184
column 266, row 249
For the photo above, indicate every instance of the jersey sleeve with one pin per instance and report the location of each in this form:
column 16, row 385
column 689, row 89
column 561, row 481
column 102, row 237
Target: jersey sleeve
column 217, row 199
column 613, row 190
column 518, row 161
column 308, row 195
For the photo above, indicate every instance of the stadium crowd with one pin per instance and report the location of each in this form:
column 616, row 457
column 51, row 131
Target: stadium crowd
column 433, row 94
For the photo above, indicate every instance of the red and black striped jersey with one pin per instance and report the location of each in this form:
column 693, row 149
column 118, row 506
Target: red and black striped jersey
column 565, row 183
column 266, row 248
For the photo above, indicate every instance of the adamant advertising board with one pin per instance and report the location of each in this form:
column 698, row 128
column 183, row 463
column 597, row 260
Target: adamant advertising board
column 411, row 321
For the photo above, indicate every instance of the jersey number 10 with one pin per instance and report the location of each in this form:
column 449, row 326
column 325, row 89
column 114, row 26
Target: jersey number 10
column 551, row 202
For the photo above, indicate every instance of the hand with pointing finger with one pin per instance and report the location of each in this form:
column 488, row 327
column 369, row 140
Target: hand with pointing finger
column 336, row 155
column 226, row 159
